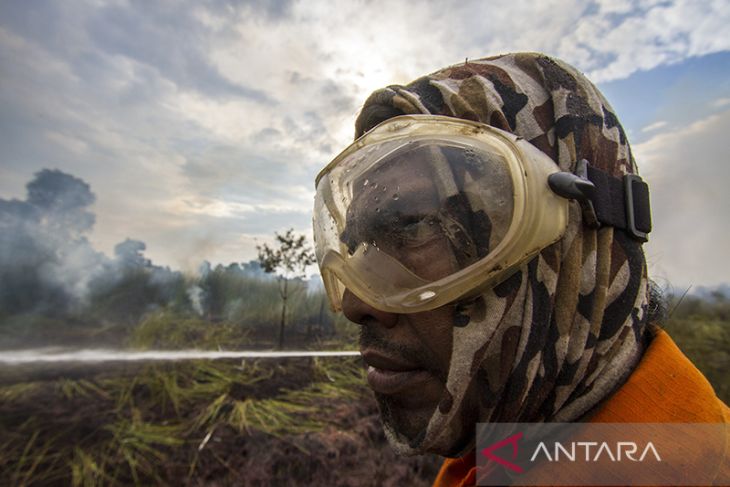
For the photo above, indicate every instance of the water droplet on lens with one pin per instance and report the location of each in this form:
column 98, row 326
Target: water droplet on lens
column 426, row 295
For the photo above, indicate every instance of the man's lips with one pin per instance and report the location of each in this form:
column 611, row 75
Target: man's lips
column 389, row 375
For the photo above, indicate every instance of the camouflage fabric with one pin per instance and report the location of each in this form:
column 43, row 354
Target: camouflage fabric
column 559, row 336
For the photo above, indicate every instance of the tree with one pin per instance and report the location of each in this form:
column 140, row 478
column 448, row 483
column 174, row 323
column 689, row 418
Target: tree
column 288, row 259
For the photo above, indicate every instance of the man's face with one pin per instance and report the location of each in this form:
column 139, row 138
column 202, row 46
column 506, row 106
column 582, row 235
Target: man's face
column 408, row 355
column 408, row 360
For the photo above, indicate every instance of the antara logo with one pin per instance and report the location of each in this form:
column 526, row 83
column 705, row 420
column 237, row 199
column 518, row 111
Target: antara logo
column 592, row 451
column 627, row 448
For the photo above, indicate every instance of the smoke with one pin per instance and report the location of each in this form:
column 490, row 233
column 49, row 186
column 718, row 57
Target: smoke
column 45, row 259
column 48, row 266
column 129, row 254
column 195, row 294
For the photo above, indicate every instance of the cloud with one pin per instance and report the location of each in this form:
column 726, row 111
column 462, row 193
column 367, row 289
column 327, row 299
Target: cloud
column 654, row 126
column 687, row 174
column 71, row 144
column 606, row 39
column 201, row 125
column 650, row 34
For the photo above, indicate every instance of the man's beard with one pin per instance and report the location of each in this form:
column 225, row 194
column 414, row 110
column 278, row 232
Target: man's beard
column 409, row 426
column 406, row 422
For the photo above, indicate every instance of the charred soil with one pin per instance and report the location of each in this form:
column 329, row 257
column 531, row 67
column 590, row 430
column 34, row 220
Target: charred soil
column 288, row 422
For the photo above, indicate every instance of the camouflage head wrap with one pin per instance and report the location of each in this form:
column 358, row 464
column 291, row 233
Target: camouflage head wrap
column 561, row 334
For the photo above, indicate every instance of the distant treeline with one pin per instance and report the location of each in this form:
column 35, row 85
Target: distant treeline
column 152, row 307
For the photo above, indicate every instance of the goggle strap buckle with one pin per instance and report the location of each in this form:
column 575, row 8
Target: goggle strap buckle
column 621, row 203
column 638, row 215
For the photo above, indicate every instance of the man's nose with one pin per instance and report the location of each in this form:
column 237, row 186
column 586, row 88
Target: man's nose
column 358, row 311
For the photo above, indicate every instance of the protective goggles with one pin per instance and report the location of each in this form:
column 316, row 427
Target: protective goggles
column 425, row 210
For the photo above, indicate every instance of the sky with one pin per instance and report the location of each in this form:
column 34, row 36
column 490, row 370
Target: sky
column 201, row 125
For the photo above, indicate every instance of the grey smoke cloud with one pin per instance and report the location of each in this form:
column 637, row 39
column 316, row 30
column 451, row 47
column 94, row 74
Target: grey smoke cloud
column 45, row 259
column 130, row 253
column 48, row 265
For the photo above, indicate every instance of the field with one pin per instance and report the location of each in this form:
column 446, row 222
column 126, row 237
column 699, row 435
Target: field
column 264, row 422
column 233, row 422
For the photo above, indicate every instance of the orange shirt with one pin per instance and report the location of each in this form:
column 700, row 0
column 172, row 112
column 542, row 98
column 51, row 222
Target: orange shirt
column 664, row 388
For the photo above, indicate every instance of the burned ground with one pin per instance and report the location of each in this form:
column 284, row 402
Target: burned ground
column 289, row 422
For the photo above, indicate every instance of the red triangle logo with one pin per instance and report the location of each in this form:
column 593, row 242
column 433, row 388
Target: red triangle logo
column 488, row 452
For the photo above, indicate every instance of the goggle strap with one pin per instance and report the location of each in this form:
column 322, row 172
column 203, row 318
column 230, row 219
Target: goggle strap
column 622, row 203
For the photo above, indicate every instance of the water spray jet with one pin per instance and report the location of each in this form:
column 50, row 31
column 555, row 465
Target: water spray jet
column 45, row 355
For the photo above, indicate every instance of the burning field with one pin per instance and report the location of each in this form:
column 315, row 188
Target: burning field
column 264, row 422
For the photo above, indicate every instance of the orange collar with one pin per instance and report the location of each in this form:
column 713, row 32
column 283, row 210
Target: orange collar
column 664, row 388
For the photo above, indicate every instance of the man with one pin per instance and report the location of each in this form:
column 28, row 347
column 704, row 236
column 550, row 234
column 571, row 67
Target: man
column 485, row 230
